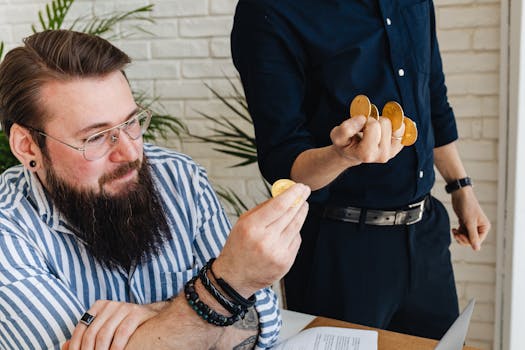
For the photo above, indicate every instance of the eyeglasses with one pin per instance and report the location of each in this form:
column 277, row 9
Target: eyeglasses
column 99, row 144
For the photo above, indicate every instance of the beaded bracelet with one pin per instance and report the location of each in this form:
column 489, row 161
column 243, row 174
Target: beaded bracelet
column 234, row 309
column 204, row 310
column 232, row 293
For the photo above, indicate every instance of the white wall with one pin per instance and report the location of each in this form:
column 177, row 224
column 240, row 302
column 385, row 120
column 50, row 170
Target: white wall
column 191, row 46
column 469, row 33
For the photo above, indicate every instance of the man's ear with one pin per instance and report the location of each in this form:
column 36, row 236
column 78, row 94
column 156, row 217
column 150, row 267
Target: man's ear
column 24, row 147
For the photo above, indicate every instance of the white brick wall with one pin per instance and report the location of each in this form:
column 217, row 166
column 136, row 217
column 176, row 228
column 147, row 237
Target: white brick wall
column 469, row 39
column 190, row 47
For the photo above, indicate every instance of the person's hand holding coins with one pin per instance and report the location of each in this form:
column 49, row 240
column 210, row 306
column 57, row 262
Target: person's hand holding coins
column 368, row 137
column 264, row 242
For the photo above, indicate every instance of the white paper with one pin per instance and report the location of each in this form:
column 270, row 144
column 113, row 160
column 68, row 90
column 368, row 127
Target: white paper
column 330, row 338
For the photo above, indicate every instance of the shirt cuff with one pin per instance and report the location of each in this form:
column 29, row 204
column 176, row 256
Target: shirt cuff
column 270, row 321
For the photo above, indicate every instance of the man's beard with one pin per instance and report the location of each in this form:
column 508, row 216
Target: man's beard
column 119, row 230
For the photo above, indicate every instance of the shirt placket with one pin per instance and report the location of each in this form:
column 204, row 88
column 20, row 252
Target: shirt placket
column 401, row 69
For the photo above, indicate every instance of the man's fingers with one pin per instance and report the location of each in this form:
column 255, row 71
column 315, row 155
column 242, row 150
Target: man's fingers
column 102, row 309
column 386, row 139
column 341, row 134
column 275, row 208
column 483, row 232
column 291, row 227
column 473, row 236
column 460, row 237
column 292, row 231
column 371, row 134
column 105, row 334
column 124, row 331
column 79, row 333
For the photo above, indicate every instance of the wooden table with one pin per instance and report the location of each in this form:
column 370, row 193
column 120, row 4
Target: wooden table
column 387, row 340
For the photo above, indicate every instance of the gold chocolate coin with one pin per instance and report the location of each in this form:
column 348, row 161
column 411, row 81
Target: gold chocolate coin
column 410, row 135
column 360, row 106
column 393, row 111
column 280, row 186
column 374, row 112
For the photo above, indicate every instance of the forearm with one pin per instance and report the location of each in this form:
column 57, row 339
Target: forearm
column 448, row 162
column 318, row 167
column 177, row 326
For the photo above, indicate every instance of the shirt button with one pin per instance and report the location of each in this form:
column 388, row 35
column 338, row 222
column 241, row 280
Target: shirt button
column 401, row 72
column 388, row 21
column 421, row 174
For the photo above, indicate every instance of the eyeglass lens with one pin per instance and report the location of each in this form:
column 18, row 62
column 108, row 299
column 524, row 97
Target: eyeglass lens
column 99, row 144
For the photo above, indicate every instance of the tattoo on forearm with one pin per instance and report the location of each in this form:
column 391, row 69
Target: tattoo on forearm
column 246, row 344
column 249, row 322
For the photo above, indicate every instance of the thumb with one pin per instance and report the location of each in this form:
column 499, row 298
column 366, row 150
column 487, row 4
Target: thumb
column 344, row 131
column 473, row 236
column 355, row 124
column 66, row 345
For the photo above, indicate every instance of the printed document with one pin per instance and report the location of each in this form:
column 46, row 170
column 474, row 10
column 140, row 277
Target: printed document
column 330, row 338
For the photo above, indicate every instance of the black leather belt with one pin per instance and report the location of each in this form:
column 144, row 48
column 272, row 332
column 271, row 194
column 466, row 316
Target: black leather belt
column 409, row 216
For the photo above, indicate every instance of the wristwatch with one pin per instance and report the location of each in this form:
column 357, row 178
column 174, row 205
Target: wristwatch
column 457, row 184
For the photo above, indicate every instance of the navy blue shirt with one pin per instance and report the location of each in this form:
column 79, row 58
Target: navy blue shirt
column 302, row 62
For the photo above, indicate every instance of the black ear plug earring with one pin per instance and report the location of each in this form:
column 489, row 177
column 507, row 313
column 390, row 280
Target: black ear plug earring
column 32, row 164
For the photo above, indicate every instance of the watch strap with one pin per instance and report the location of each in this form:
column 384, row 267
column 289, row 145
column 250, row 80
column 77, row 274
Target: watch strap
column 457, row 184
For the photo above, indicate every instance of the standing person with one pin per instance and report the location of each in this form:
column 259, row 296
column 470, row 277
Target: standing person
column 375, row 245
column 107, row 242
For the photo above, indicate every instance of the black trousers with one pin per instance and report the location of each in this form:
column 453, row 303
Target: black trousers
column 398, row 278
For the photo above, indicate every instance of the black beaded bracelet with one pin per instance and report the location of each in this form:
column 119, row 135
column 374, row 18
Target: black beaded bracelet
column 204, row 310
column 232, row 293
column 234, row 309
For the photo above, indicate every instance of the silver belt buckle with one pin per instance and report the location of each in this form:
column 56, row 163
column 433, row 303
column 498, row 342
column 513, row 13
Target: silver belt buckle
column 421, row 208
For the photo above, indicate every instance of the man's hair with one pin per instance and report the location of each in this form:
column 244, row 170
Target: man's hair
column 52, row 55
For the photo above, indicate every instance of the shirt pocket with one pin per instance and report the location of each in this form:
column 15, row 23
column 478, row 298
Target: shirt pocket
column 417, row 22
column 173, row 282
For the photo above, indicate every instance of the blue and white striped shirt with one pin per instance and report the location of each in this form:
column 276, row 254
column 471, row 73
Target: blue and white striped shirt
column 48, row 280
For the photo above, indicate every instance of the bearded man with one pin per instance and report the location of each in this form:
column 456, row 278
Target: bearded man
column 107, row 242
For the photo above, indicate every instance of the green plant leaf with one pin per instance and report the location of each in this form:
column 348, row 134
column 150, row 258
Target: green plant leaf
column 1, row 50
column 161, row 122
column 230, row 138
column 55, row 12
column 227, row 103
column 7, row 159
column 232, row 200
column 102, row 25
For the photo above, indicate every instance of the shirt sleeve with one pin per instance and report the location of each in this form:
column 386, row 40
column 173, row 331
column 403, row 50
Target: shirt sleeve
column 270, row 64
column 443, row 119
column 37, row 310
column 214, row 228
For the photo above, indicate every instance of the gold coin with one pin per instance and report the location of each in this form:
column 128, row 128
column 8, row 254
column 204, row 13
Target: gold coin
column 360, row 106
column 410, row 135
column 374, row 112
column 393, row 111
column 280, row 186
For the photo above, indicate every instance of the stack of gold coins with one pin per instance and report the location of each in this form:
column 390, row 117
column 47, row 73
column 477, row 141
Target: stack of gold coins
column 392, row 110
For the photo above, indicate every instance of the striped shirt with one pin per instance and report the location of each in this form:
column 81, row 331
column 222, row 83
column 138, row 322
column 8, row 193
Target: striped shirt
column 48, row 279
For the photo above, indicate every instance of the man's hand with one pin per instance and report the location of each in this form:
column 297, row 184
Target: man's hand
column 112, row 327
column 473, row 223
column 378, row 143
column 264, row 242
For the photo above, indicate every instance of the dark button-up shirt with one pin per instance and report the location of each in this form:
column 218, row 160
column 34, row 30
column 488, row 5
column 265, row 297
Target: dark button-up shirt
column 301, row 64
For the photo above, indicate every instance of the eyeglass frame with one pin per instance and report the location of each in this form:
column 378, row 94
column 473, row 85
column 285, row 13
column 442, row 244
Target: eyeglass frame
column 120, row 126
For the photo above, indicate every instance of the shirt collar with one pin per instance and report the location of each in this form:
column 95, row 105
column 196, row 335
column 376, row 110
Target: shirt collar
column 41, row 200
